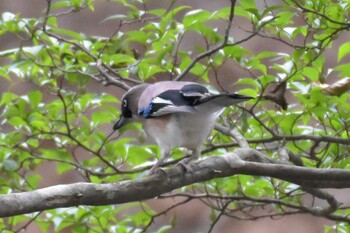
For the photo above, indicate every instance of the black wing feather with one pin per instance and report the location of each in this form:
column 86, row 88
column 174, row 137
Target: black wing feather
column 172, row 101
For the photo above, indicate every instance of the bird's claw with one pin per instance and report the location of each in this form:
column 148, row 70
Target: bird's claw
column 185, row 164
column 156, row 170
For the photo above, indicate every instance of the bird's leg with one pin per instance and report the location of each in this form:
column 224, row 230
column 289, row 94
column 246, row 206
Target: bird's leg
column 155, row 168
column 185, row 162
column 196, row 153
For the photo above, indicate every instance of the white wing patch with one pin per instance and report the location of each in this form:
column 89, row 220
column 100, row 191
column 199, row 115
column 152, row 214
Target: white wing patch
column 158, row 100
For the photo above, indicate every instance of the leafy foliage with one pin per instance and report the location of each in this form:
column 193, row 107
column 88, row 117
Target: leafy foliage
column 302, row 103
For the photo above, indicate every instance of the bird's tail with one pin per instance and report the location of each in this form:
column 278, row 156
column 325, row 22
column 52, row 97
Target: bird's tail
column 223, row 99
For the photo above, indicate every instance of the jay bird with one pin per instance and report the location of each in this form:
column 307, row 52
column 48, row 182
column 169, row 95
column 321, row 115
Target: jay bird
column 175, row 114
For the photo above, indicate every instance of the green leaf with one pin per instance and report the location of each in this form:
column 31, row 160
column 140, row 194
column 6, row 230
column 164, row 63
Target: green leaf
column 148, row 70
column 34, row 180
column 169, row 18
column 312, row 73
column 240, row 11
column 60, row 4
column 137, row 36
column 116, row 16
column 286, row 122
column 107, row 98
column 63, row 167
column 69, row 33
column 164, row 229
column 76, row 4
column 266, row 80
column 102, row 117
column 134, row 153
column 195, row 16
column 76, row 78
column 121, row 59
column 344, row 70
column 344, row 50
column 35, row 98
column 248, row 81
column 56, row 154
column 7, row 98
column 157, row 12
column 235, row 52
column 248, row 4
column 17, row 122
column 10, row 165
column 223, row 13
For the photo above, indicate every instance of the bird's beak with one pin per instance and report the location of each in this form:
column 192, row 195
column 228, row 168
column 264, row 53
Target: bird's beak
column 120, row 123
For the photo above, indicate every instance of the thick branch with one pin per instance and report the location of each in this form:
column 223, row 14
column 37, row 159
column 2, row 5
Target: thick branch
column 242, row 161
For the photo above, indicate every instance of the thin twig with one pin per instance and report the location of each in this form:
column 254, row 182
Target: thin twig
column 216, row 48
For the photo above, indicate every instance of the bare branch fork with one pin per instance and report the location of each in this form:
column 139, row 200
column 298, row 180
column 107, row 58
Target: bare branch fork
column 216, row 48
column 241, row 161
column 224, row 43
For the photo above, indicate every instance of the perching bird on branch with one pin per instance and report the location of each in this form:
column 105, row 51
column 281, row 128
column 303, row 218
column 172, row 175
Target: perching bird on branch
column 175, row 114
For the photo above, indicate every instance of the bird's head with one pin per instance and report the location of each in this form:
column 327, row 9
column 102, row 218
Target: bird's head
column 129, row 105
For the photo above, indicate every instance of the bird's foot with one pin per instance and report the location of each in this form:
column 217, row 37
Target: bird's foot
column 155, row 170
column 185, row 164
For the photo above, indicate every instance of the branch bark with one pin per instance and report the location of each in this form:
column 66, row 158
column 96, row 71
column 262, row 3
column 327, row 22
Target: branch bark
column 241, row 161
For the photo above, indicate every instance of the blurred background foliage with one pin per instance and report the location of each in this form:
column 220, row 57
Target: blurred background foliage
column 298, row 72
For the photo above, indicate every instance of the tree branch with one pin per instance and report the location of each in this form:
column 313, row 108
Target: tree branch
column 213, row 50
column 278, row 138
column 241, row 161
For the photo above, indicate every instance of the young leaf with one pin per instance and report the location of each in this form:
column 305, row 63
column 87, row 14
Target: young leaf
column 344, row 50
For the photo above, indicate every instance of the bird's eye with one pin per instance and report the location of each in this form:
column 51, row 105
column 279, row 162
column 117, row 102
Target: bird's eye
column 125, row 103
